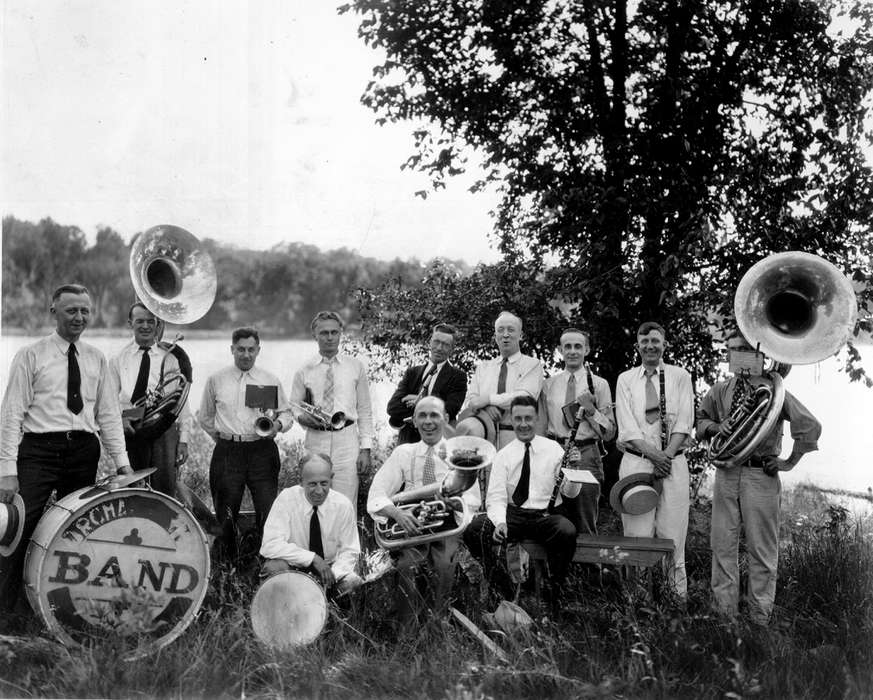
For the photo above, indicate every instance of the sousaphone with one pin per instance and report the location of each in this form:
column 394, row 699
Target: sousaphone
column 174, row 277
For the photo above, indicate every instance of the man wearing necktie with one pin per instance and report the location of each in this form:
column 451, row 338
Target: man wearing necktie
column 335, row 382
column 436, row 377
column 411, row 466
column 313, row 528
column 577, row 385
column 58, row 400
column 497, row 382
column 524, row 477
column 242, row 457
column 136, row 370
column 654, row 408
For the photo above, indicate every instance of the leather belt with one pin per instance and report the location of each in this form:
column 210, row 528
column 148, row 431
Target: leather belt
column 637, row 453
column 65, row 435
column 578, row 443
column 239, row 438
column 754, row 463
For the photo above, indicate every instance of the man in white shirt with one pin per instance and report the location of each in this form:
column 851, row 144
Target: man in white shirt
column 497, row 382
column 654, row 407
column 242, row 457
column 336, row 382
column 525, row 478
column 411, row 466
column 312, row 527
column 577, row 384
column 58, row 400
column 136, row 371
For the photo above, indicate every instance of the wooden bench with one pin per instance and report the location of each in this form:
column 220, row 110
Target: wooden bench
column 615, row 550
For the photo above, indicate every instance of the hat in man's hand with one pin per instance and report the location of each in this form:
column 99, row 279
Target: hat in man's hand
column 636, row 494
column 11, row 525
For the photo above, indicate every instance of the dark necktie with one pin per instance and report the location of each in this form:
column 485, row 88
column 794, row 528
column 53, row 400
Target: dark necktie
column 652, row 403
column 740, row 389
column 74, row 382
column 570, row 396
column 501, row 378
column 142, row 379
column 424, row 389
column 522, row 489
column 315, row 534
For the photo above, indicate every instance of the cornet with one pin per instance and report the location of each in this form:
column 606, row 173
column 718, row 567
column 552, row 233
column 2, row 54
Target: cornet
column 265, row 424
column 335, row 421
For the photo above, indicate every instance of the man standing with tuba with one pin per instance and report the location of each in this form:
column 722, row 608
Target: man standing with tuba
column 413, row 466
column 243, row 456
column 335, row 384
column 748, row 494
column 136, row 371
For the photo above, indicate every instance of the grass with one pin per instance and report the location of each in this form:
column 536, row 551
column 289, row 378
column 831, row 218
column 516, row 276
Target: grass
column 611, row 639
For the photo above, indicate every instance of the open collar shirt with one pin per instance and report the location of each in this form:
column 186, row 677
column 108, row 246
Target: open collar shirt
column 545, row 459
column 36, row 399
column 351, row 391
column 223, row 408
column 599, row 426
column 630, row 405
column 286, row 531
column 524, row 375
column 405, row 467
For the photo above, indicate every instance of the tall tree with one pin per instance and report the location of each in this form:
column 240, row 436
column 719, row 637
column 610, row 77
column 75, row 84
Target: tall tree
column 105, row 273
column 646, row 153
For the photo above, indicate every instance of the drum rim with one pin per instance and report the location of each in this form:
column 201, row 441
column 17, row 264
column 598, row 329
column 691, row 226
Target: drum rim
column 51, row 622
column 323, row 608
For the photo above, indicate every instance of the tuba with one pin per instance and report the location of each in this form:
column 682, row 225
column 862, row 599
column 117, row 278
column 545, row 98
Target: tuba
column 174, row 277
column 797, row 308
column 434, row 505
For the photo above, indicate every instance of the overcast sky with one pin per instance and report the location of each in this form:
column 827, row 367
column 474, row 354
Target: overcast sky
column 237, row 121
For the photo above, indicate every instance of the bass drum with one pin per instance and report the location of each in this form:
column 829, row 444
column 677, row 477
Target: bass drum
column 289, row 610
column 127, row 561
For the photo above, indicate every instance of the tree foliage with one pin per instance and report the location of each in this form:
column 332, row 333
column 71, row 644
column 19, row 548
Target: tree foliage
column 647, row 154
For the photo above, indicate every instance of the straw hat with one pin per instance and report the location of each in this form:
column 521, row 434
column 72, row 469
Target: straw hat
column 476, row 423
column 636, row 494
column 11, row 525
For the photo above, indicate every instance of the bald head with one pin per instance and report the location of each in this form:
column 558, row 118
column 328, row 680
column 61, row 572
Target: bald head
column 316, row 473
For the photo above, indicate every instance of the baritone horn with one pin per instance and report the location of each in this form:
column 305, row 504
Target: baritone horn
column 434, row 506
column 797, row 308
column 174, row 278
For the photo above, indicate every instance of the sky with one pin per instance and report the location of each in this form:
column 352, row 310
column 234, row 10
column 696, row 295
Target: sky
column 238, row 121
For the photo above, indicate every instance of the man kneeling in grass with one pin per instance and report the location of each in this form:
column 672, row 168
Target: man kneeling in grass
column 312, row 527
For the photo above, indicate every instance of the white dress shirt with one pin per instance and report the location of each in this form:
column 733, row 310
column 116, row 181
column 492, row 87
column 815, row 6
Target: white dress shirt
column 223, row 410
column 351, row 391
column 405, row 465
column 545, row 459
column 286, row 531
column 524, row 375
column 36, row 399
column 124, row 369
column 553, row 397
column 630, row 405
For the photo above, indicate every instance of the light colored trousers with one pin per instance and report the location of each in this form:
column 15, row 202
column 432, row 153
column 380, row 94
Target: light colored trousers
column 748, row 498
column 342, row 447
column 669, row 519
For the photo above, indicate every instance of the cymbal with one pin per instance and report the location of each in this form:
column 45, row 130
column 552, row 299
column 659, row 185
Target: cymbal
column 120, row 481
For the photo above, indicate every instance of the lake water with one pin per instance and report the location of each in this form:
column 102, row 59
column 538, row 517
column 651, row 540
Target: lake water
column 844, row 459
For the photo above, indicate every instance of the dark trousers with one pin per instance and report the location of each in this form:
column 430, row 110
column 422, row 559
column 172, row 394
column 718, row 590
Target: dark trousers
column 236, row 465
column 555, row 532
column 45, row 464
column 159, row 453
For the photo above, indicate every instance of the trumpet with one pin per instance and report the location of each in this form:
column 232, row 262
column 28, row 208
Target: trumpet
column 329, row 421
column 265, row 424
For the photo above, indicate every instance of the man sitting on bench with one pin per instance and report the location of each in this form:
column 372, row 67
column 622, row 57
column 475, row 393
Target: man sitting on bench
column 524, row 477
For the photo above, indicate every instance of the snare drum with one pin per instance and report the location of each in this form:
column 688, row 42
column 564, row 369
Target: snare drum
column 133, row 561
column 289, row 610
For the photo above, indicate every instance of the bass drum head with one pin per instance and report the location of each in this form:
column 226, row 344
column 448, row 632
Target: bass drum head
column 132, row 562
column 289, row 610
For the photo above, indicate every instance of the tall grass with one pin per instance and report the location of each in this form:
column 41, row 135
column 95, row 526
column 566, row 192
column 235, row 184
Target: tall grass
column 611, row 638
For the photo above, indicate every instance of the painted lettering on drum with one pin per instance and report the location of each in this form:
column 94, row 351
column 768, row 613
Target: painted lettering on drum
column 73, row 569
column 94, row 518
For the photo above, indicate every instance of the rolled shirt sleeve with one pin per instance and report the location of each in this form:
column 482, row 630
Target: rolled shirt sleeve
column 19, row 394
column 386, row 482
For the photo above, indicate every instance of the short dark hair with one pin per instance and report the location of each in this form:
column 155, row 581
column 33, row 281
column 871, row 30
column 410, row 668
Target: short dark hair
column 69, row 289
column 524, row 400
column 649, row 326
column 245, row 332
column 446, row 328
column 326, row 316
column 584, row 334
column 138, row 304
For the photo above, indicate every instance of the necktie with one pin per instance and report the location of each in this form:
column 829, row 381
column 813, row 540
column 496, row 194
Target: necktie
column 740, row 389
column 652, row 403
column 424, row 390
column 315, row 534
column 522, row 489
column 501, row 378
column 429, row 476
column 74, row 382
column 570, row 396
column 142, row 379
column 327, row 396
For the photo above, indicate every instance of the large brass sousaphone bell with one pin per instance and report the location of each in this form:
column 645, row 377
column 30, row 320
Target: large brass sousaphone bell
column 174, row 277
column 798, row 309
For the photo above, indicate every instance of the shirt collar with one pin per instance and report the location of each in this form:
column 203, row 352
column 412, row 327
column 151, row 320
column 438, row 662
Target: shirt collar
column 641, row 372
column 61, row 344
column 421, row 447
column 511, row 360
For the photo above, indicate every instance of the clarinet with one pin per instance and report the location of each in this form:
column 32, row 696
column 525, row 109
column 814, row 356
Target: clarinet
column 568, row 443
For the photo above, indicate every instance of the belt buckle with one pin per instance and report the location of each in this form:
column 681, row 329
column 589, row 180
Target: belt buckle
column 69, row 435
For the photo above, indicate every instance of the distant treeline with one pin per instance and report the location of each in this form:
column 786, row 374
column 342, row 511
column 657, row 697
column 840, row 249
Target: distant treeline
column 278, row 290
